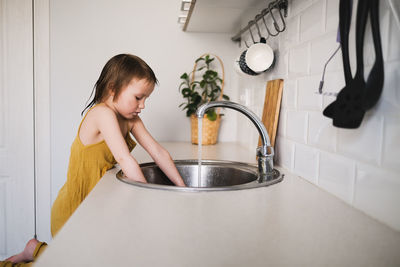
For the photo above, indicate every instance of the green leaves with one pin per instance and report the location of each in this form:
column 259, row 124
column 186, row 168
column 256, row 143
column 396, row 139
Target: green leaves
column 211, row 114
column 186, row 92
column 210, row 88
column 184, row 76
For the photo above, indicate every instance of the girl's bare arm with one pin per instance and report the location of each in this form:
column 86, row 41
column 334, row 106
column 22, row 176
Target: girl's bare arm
column 107, row 123
column 159, row 154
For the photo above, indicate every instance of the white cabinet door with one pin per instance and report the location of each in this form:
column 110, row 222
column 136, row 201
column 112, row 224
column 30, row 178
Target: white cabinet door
column 16, row 126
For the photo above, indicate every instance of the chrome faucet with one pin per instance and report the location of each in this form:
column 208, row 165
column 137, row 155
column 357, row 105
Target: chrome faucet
column 265, row 152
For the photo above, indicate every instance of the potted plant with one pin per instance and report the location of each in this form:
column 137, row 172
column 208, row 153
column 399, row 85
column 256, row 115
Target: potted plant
column 209, row 87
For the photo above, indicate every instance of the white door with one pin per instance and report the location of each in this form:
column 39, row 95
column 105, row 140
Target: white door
column 16, row 126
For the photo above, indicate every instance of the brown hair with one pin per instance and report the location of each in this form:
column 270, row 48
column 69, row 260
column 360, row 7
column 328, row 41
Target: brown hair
column 116, row 74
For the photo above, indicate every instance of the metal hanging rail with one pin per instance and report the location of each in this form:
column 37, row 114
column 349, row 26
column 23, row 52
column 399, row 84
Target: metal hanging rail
column 280, row 4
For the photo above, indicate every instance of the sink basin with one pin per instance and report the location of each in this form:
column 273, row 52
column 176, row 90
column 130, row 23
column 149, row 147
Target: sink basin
column 215, row 176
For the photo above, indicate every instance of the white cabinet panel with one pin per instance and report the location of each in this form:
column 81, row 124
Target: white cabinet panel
column 16, row 126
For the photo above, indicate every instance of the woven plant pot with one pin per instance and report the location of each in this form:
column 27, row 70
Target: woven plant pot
column 209, row 131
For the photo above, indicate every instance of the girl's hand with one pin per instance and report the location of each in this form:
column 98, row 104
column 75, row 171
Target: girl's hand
column 159, row 154
column 182, row 184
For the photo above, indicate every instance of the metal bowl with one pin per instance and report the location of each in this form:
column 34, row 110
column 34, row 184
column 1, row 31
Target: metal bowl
column 215, row 176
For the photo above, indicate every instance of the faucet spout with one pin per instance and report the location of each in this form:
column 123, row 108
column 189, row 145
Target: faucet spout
column 265, row 152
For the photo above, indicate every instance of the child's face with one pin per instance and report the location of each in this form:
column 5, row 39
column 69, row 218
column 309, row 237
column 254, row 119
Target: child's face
column 130, row 101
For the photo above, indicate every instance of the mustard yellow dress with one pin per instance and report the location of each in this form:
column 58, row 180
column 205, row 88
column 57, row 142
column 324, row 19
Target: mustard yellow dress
column 87, row 164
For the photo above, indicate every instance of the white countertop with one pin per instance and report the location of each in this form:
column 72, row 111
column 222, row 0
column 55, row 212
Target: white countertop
column 291, row 223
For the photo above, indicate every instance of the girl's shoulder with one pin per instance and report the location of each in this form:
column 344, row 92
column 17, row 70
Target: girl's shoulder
column 100, row 110
column 98, row 114
column 102, row 114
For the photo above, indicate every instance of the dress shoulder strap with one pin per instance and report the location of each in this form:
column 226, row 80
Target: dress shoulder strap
column 84, row 117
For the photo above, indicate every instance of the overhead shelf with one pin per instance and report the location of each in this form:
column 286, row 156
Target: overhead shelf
column 217, row 16
column 226, row 16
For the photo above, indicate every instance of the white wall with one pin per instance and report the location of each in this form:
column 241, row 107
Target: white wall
column 85, row 34
column 359, row 166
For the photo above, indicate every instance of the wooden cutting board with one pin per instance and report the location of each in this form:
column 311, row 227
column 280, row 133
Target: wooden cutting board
column 272, row 105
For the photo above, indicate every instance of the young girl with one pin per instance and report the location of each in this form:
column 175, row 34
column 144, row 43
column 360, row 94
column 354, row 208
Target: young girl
column 103, row 139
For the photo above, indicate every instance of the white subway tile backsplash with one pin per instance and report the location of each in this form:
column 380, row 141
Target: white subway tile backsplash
column 281, row 63
column 321, row 133
column 246, row 132
column 258, row 105
column 289, row 94
column 284, row 153
column 321, row 50
column 391, row 143
column 336, row 175
column 394, row 40
column 385, row 16
column 360, row 166
column 296, row 6
column 389, row 103
column 296, row 125
column 282, row 122
column 332, row 15
column 377, row 193
column 308, row 99
column 363, row 143
column 299, row 60
column 257, row 110
column 246, row 98
column 312, row 21
column 290, row 37
column 306, row 162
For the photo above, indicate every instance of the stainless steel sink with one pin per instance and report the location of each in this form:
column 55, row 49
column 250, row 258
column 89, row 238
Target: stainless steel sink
column 215, row 176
